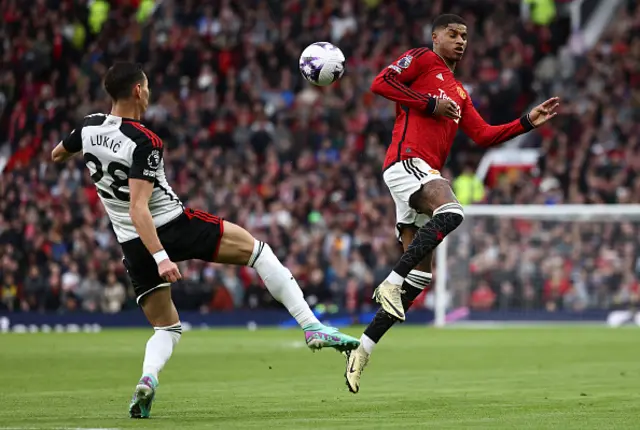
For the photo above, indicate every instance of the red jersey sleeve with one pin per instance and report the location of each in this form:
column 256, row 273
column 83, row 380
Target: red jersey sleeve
column 392, row 82
column 487, row 135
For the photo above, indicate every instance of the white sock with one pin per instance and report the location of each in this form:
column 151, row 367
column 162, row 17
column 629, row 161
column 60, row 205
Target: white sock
column 367, row 343
column 395, row 279
column 159, row 348
column 281, row 284
column 419, row 279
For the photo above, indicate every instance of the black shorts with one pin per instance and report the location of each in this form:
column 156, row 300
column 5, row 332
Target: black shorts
column 194, row 235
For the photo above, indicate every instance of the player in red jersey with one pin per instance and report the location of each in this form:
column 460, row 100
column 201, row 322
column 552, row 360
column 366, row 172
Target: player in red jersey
column 430, row 106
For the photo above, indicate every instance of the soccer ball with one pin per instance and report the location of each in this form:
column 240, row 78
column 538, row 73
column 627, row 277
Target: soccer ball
column 322, row 63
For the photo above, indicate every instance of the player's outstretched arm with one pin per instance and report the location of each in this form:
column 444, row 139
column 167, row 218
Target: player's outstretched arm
column 487, row 135
column 544, row 111
column 60, row 155
column 392, row 82
column 69, row 147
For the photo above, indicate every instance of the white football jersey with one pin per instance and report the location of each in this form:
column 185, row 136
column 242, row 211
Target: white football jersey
column 116, row 149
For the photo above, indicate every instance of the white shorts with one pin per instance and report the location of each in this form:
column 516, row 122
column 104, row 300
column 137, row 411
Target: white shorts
column 404, row 178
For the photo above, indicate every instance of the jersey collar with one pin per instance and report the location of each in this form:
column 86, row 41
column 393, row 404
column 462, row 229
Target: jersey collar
column 125, row 119
column 444, row 62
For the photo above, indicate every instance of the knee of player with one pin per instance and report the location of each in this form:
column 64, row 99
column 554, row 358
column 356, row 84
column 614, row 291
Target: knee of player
column 236, row 244
column 246, row 249
column 174, row 331
column 261, row 252
column 452, row 212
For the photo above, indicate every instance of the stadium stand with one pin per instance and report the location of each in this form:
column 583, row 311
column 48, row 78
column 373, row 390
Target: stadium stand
column 248, row 140
column 591, row 155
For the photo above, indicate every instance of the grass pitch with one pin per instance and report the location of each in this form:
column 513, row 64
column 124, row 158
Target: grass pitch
column 418, row 378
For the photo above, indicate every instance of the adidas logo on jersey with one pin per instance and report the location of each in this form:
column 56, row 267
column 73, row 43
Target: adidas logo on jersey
column 439, row 76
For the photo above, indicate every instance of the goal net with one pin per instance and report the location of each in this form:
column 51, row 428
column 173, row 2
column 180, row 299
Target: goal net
column 539, row 263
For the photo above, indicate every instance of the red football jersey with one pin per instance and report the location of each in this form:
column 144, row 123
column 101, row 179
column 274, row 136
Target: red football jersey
column 410, row 81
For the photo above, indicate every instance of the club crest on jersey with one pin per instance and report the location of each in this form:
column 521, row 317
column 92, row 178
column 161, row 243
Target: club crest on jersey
column 461, row 93
column 153, row 160
column 405, row 61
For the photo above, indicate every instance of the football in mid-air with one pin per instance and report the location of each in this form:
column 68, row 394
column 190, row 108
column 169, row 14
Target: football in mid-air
column 322, row 63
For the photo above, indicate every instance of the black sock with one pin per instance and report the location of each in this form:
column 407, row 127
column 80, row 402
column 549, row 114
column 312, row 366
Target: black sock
column 427, row 238
column 382, row 321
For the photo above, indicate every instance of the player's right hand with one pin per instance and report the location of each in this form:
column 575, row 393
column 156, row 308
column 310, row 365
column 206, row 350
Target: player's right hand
column 448, row 109
column 169, row 271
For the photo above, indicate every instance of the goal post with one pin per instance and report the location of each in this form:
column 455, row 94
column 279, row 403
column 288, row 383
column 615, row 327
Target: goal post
column 534, row 249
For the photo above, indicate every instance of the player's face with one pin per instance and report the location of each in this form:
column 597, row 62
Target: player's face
column 451, row 41
column 143, row 94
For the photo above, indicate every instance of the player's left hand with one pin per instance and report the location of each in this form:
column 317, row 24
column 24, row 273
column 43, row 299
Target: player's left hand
column 544, row 111
column 169, row 271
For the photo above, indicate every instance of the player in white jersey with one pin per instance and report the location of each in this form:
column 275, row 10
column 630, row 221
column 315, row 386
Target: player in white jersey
column 125, row 160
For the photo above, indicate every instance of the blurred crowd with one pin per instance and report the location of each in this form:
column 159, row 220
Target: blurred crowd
column 300, row 167
column 521, row 263
column 591, row 155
